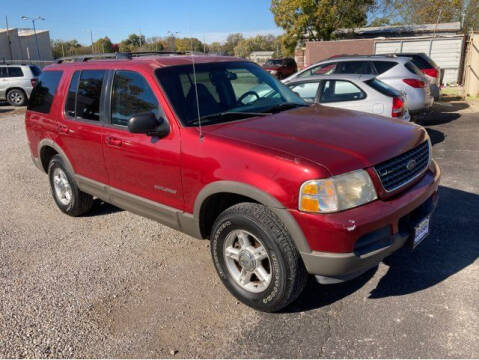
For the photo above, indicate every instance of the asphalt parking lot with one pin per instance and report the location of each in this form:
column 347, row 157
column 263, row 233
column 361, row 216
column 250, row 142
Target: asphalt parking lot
column 113, row 284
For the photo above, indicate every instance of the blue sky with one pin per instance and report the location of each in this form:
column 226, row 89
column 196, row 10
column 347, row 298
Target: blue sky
column 212, row 20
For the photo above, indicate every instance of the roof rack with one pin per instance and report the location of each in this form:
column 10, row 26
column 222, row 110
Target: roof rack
column 116, row 55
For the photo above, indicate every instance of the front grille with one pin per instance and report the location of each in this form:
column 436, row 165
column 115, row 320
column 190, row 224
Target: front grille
column 402, row 169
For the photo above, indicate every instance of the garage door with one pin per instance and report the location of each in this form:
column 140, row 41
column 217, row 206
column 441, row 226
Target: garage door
column 446, row 52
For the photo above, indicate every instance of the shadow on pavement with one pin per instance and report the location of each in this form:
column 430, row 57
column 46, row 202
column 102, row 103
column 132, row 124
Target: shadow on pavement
column 436, row 136
column 452, row 245
column 102, row 208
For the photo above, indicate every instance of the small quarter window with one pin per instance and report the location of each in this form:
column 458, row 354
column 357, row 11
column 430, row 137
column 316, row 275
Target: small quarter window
column 131, row 95
column 383, row 66
column 43, row 93
column 89, row 94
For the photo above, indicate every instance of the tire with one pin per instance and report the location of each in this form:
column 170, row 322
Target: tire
column 283, row 276
column 65, row 192
column 16, row 97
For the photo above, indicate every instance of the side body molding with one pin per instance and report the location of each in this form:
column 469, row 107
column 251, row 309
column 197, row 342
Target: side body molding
column 175, row 218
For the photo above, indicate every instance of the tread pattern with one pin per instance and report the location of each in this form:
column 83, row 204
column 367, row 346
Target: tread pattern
column 296, row 271
column 82, row 202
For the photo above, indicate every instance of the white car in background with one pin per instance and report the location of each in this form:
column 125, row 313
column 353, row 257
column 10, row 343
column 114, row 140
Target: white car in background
column 396, row 71
column 353, row 92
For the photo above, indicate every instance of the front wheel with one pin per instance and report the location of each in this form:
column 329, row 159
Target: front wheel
column 256, row 258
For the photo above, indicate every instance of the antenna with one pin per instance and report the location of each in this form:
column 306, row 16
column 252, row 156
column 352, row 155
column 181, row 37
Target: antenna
column 196, row 89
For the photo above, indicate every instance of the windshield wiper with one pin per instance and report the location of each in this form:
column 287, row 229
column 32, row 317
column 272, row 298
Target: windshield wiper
column 283, row 106
column 224, row 116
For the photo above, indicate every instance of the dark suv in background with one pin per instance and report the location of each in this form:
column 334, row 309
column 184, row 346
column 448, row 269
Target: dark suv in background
column 281, row 68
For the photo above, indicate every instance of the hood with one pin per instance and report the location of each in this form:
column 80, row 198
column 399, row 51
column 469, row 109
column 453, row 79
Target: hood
column 340, row 140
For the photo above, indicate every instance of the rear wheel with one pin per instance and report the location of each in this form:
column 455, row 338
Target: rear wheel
column 256, row 258
column 66, row 194
column 16, row 97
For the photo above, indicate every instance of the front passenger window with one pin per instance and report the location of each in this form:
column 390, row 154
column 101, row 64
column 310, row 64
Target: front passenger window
column 131, row 95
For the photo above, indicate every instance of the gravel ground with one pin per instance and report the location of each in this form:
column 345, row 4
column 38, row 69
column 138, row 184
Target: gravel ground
column 113, row 284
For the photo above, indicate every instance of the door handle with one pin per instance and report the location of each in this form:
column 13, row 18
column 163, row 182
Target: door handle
column 63, row 129
column 113, row 141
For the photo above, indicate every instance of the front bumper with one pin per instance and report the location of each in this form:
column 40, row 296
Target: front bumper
column 346, row 244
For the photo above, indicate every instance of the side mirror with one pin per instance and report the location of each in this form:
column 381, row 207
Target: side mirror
column 147, row 123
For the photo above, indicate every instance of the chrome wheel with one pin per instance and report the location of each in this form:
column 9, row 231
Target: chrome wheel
column 62, row 187
column 15, row 97
column 247, row 261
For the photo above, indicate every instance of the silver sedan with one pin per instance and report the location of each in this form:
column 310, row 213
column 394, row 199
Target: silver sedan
column 353, row 92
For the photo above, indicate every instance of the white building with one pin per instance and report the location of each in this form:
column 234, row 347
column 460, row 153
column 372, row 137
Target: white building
column 23, row 45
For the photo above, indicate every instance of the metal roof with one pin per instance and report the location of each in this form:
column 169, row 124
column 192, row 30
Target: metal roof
column 451, row 27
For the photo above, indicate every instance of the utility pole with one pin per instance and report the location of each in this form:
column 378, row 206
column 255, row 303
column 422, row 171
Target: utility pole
column 91, row 39
column 34, row 31
column 8, row 39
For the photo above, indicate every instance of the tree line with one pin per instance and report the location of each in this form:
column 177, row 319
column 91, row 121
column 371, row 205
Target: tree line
column 301, row 20
column 235, row 45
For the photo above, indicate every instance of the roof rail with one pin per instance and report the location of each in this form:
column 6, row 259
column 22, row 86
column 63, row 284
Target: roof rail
column 117, row 56
column 83, row 58
column 146, row 53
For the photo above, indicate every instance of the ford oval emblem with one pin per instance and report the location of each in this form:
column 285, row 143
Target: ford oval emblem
column 411, row 164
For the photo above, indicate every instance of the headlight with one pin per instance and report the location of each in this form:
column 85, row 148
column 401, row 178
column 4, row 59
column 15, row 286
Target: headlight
column 337, row 193
column 273, row 72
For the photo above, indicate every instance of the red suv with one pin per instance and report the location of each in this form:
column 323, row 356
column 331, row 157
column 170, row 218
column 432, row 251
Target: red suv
column 219, row 149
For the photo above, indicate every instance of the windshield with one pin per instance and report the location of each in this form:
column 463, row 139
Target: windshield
column 239, row 88
column 275, row 62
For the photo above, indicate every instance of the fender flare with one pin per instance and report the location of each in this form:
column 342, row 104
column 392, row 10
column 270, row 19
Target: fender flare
column 58, row 149
column 261, row 197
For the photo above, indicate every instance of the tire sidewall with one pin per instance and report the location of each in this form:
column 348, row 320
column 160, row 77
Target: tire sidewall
column 273, row 295
column 21, row 92
column 57, row 162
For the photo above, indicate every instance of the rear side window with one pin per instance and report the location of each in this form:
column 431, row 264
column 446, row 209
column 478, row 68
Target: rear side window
column 14, row 72
column 323, row 69
column 131, row 95
column 36, row 71
column 412, row 68
column 43, row 93
column 3, row 71
column 89, row 94
column 70, row 104
column 383, row 88
column 353, row 67
column 383, row 66
column 306, row 90
column 340, row 90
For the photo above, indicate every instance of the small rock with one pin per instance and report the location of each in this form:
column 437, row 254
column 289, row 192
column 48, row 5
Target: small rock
column 173, row 352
